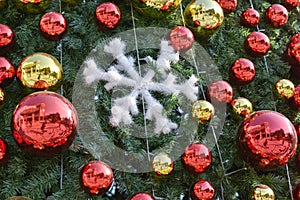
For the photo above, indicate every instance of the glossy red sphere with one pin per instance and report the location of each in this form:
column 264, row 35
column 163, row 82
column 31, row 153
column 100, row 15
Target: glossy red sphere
column 291, row 4
column 141, row 196
column 228, row 5
column 294, row 101
column 267, row 140
column 292, row 53
column 53, row 26
column 181, row 38
column 44, row 124
column 196, row 158
column 257, row 44
column 296, row 192
column 250, row 18
column 96, row 177
column 3, row 152
column 277, row 15
column 242, row 71
column 202, row 190
column 7, row 72
column 108, row 15
column 7, row 38
column 220, row 92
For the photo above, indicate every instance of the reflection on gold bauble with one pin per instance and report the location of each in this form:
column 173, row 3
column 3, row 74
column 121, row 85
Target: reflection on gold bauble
column 162, row 164
column 40, row 71
column 203, row 110
column 1, row 97
column 32, row 6
column 262, row 192
column 241, row 108
column 203, row 17
column 156, row 8
column 284, row 88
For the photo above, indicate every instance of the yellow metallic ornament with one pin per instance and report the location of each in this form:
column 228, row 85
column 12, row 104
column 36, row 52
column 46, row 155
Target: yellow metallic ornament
column 162, row 164
column 156, row 9
column 203, row 110
column 1, row 97
column 203, row 17
column 284, row 88
column 241, row 108
column 262, row 192
column 32, row 6
column 40, row 71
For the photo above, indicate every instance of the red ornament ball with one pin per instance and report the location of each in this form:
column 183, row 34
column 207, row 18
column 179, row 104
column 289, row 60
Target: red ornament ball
column 96, row 177
column 257, row 44
column 242, row 71
column 267, row 140
column 196, row 158
column 108, row 15
column 3, row 152
column 250, row 18
column 296, row 192
column 7, row 72
column 291, row 4
column 294, row 101
column 53, row 26
column 220, row 92
column 202, row 190
column 292, row 52
column 181, row 39
column 141, row 196
column 7, row 38
column 44, row 124
column 277, row 15
column 297, row 127
column 228, row 5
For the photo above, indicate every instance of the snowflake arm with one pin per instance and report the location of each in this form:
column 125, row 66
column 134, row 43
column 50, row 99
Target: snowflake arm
column 166, row 56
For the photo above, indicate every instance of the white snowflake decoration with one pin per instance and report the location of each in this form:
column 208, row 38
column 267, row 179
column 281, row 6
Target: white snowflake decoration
column 125, row 74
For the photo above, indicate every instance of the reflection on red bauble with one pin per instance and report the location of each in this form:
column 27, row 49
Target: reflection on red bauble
column 181, row 38
column 267, row 140
column 296, row 192
column 7, row 38
column 291, row 4
column 250, row 18
column 141, row 196
column 3, row 152
column 44, row 124
column 7, row 72
column 53, row 26
column 292, row 53
column 277, row 15
column 257, row 44
column 196, row 158
column 228, row 5
column 96, row 177
column 220, row 92
column 242, row 71
column 202, row 190
column 108, row 15
column 294, row 101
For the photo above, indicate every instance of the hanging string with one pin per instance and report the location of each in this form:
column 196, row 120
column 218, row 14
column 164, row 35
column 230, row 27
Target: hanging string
column 140, row 72
column 273, row 100
column 62, row 93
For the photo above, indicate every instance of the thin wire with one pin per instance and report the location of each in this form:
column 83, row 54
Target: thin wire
column 267, row 70
column 140, row 72
column 62, row 93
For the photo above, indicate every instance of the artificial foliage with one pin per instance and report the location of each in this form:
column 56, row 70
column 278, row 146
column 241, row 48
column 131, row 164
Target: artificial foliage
column 58, row 177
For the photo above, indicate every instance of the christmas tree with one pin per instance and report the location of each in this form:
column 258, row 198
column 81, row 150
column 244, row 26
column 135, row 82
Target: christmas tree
column 151, row 113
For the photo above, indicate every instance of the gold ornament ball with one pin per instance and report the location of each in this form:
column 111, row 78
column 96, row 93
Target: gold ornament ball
column 156, row 9
column 162, row 164
column 40, row 71
column 1, row 97
column 262, row 192
column 241, row 108
column 284, row 88
column 32, row 6
column 203, row 17
column 203, row 110
column 3, row 4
